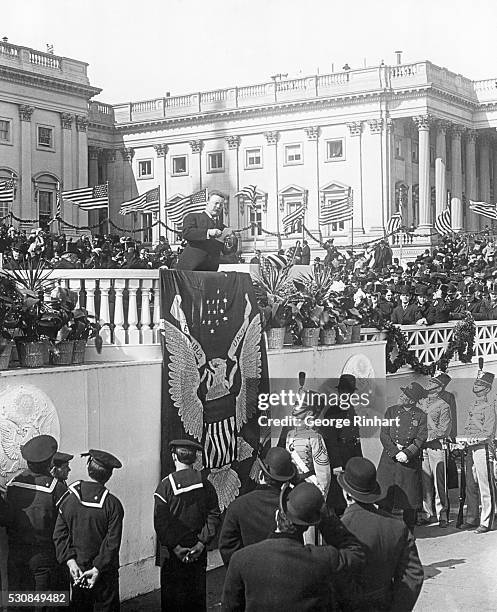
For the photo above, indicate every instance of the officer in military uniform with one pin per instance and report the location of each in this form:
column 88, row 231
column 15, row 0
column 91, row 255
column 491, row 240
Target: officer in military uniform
column 434, row 465
column 480, row 433
column 88, row 535
column 186, row 519
column 31, row 514
column 399, row 470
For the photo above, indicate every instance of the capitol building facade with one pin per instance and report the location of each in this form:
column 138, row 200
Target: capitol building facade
column 414, row 138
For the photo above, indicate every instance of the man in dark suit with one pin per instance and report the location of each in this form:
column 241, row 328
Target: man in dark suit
column 393, row 575
column 281, row 573
column 251, row 517
column 201, row 231
column 405, row 313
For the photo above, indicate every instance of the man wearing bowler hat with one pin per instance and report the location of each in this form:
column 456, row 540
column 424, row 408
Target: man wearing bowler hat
column 186, row 519
column 88, row 535
column 393, row 575
column 399, row 470
column 405, row 313
column 281, row 573
column 32, row 511
column 250, row 517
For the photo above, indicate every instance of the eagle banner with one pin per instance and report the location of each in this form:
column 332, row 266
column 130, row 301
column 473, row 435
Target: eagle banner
column 214, row 366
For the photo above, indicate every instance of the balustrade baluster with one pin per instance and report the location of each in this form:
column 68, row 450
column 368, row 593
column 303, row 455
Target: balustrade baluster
column 156, row 316
column 133, row 331
column 119, row 331
column 104, row 285
column 147, row 335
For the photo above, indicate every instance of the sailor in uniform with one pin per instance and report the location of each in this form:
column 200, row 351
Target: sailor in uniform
column 31, row 514
column 186, row 519
column 88, row 535
column 60, row 466
column 480, row 433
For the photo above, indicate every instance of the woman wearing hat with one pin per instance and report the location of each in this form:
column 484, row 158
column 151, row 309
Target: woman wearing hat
column 399, row 470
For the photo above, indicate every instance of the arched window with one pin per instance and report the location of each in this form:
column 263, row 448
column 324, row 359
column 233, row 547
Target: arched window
column 46, row 186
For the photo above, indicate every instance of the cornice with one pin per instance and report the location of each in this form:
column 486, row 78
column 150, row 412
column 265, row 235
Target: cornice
column 23, row 77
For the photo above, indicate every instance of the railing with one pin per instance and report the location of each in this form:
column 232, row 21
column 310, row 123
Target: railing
column 46, row 60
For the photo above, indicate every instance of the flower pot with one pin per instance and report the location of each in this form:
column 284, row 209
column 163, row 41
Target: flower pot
column 62, row 352
column 288, row 337
column 78, row 355
column 30, row 354
column 46, row 351
column 310, row 336
column 328, row 337
column 275, row 337
column 356, row 333
column 5, row 353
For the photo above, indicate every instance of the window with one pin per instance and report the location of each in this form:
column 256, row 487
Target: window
column 45, row 202
column 398, row 148
column 45, row 137
column 415, row 153
column 145, row 168
column 293, row 154
column 215, row 162
column 5, row 131
column 253, row 158
column 147, row 225
column 179, row 165
column 334, row 149
column 338, row 226
column 291, row 207
column 256, row 217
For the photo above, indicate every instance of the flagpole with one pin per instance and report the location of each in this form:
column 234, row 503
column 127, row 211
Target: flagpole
column 351, row 201
column 108, row 210
column 58, row 206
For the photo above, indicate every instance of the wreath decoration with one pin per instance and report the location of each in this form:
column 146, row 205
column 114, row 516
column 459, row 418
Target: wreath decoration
column 462, row 343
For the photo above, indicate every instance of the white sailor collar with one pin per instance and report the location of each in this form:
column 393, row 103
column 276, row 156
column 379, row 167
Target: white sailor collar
column 184, row 481
column 45, row 484
column 98, row 496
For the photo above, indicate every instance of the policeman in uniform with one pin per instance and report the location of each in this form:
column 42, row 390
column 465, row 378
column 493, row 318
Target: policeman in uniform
column 186, row 519
column 480, row 434
column 88, row 535
column 31, row 501
column 434, row 466
column 399, row 470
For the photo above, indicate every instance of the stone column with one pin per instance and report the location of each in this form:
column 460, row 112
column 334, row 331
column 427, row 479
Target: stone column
column 494, row 170
column 425, row 221
column 471, row 188
column 110, row 158
column 386, row 161
column 80, row 217
column 485, row 174
column 312, row 147
column 196, row 164
column 127, row 154
column 67, row 122
column 373, row 177
column 355, row 152
column 275, row 206
column 161, row 152
column 93, row 155
column 27, row 207
column 456, row 185
column 440, row 167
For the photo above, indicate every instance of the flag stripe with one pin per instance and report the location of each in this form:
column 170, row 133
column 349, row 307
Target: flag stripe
column 394, row 223
column 88, row 198
column 334, row 211
column 443, row 222
column 484, row 209
column 146, row 202
column 7, row 191
column 189, row 204
column 291, row 220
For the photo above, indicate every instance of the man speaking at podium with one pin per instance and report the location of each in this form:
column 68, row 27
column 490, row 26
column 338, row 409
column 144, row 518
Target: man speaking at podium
column 204, row 233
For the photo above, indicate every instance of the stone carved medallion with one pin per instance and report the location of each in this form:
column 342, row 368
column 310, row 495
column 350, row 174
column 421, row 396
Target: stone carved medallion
column 25, row 412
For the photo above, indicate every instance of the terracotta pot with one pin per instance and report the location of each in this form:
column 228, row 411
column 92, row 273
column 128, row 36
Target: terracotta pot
column 275, row 337
column 6, row 347
column 310, row 336
column 31, row 354
column 78, row 355
column 328, row 337
column 62, row 355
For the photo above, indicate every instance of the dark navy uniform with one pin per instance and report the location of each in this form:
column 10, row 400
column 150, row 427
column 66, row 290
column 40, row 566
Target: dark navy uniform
column 186, row 512
column 89, row 530
column 402, row 481
column 32, row 511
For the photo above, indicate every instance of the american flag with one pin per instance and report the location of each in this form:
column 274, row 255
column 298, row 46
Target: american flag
column 189, row 204
column 7, row 191
column 146, row 202
column 333, row 211
column 484, row 209
column 88, row 198
column 394, row 223
column 250, row 193
column 293, row 221
column 443, row 222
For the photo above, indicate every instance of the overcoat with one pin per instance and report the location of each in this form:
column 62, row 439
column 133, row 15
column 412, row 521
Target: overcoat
column 201, row 253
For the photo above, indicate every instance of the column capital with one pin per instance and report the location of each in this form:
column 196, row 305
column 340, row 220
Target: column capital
column 66, row 120
column 93, row 152
column 442, row 126
column 161, row 149
column 375, row 126
column 423, row 122
column 471, row 135
column 127, row 153
column 81, row 123
column 233, row 142
column 456, row 131
column 25, row 112
column 484, row 139
column 355, row 128
column 312, row 132
column 272, row 137
column 196, row 146
column 109, row 155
